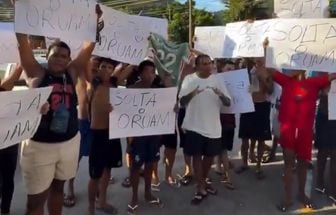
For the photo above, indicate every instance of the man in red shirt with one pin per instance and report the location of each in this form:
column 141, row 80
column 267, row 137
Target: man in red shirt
column 296, row 117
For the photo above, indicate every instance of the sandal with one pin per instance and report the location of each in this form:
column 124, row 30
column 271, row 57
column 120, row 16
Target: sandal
column 156, row 202
column 132, row 209
column 242, row 169
column 109, row 209
column 208, row 181
column 333, row 199
column 69, row 201
column 173, row 183
column 112, row 180
column 126, row 183
column 211, row 190
column 155, row 187
column 198, row 198
column 319, row 190
column 228, row 184
column 185, row 180
column 306, row 202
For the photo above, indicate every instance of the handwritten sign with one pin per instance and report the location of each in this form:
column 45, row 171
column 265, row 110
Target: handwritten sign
column 142, row 112
column 125, row 37
column 237, row 82
column 8, row 44
column 301, row 8
column 210, row 40
column 244, row 39
column 308, row 44
column 20, row 114
column 66, row 19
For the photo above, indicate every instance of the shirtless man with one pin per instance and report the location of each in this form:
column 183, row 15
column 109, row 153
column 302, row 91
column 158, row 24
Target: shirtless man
column 104, row 154
column 82, row 89
column 255, row 126
column 146, row 149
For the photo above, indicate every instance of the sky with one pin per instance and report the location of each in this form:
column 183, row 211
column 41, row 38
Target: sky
column 210, row 5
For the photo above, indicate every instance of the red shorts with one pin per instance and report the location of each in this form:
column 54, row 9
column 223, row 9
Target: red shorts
column 299, row 140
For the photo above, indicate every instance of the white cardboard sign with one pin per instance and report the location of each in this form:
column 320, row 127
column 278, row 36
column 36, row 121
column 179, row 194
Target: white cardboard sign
column 237, row 82
column 20, row 114
column 142, row 112
column 125, row 37
column 210, row 40
column 66, row 19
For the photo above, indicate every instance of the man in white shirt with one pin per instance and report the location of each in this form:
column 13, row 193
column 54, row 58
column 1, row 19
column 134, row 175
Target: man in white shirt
column 203, row 96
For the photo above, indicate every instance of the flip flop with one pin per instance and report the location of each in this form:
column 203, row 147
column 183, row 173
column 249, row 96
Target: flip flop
column 156, row 202
column 306, row 203
column 173, row 183
column 132, row 209
column 155, row 187
column 126, row 183
column 211, row 190
column 185, row 180
column 198, row 198
column 319, row 190
column 242, row 169
column 333, row 199
column 108, row 210
column 69, row 201
column 228, row 184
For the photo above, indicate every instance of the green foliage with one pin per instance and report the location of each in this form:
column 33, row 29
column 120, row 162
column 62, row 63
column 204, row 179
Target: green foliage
column 239, row 10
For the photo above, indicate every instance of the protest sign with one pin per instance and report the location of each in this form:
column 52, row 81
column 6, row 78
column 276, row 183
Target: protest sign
column 301, row 8
column 125, row 37
column 168, row 57
column 20, row 114
column 244, row 39
column 302, row 44
column 65, row 19
column 210, row 40
column 237, row 82
column 8, row 44
column 142, row 112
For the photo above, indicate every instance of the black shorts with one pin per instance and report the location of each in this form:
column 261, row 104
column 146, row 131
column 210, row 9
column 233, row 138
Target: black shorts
column 145, row 149
column 169, row 140
column 227, row 138
column 199, row 145
column 104, row 153
column 180, row 118
column 256, row 125
column 325, row 132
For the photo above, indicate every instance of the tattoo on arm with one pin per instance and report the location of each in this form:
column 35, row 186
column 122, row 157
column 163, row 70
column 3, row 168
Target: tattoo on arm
column 225, row 100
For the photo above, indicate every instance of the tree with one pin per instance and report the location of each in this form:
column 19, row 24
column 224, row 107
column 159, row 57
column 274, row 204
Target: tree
column 239, row 10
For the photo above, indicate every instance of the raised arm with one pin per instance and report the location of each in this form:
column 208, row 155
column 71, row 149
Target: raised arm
column 79, row 64
column 28, row 62
column 14, row 76
column 122, row 73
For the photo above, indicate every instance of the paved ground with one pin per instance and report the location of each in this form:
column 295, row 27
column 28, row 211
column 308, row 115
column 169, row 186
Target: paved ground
column 252, row 197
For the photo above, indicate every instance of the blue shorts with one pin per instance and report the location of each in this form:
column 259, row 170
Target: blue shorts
column 145, row 150
column 86, row 137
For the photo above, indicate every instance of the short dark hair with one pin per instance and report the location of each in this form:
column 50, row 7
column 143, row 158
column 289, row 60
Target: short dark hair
column 143, row 64
column 59, row 44
column 108, row 60
column 199, row 57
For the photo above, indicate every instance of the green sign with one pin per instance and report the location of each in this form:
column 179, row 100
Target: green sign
column 168, row 57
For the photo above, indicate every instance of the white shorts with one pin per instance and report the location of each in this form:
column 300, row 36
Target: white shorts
column 41, row 163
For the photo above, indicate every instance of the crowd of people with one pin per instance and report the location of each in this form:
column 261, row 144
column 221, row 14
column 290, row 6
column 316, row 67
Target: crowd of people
column 75, row 123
